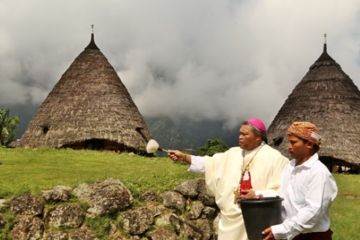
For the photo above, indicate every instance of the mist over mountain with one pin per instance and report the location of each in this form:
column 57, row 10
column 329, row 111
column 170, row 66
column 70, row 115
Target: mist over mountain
column 189, row 134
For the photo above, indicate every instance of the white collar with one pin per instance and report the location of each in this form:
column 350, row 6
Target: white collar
column 308, row 163
column 246, row 152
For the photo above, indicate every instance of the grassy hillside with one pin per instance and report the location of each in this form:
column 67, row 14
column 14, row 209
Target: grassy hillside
column 345, row 211
column 34, row 170
column 25, row 170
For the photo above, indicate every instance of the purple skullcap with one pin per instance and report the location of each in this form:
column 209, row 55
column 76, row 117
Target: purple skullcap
column 258, row 124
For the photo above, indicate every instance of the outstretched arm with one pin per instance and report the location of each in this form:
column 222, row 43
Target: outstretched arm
column 177, row 155
column 197, row 163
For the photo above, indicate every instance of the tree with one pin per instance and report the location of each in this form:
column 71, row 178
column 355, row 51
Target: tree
column 212, row 146
column 8, row 125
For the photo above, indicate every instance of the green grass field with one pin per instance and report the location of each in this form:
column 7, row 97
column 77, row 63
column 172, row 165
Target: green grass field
column 23, row 170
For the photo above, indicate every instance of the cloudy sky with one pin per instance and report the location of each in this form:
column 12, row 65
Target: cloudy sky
column 225, row 60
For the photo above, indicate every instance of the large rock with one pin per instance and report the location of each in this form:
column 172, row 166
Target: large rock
column 65, row 216
column 204, row 195
column 105, row 197
column 188, row 188
column 174, row 200
column 137, row 221
column 27, row 205
column 196, row 209
column 164, row 218
column 149, row 196
column 58, row 193
column 27, row 228
column 197, row 230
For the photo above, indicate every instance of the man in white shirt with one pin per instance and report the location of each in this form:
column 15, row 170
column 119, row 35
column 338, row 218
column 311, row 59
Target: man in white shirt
column 223, row 171
column 308, row 189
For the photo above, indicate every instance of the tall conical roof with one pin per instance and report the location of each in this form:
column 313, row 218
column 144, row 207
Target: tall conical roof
column 327, row 97
column 89, row 107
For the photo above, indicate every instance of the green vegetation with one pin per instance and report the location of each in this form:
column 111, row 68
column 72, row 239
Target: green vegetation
column 8, row 125
column 212, row 146
column 345, row 211
column 24, row 170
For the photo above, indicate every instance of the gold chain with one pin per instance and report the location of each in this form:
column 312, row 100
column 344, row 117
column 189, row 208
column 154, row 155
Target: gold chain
column 247, row 167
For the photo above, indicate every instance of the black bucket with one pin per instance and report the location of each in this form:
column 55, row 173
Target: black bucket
column 260, row 214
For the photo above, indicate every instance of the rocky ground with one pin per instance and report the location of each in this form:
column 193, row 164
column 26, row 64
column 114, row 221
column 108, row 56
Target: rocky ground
column 62, row 213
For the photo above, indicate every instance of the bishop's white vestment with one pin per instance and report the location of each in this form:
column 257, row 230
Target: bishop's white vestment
column 222, row 176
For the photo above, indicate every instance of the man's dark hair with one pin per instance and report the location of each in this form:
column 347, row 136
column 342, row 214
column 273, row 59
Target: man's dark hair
column 315, row 147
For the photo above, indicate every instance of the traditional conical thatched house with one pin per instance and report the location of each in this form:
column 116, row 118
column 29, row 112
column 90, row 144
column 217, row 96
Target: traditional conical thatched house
column 88, row 108
column 327, row 97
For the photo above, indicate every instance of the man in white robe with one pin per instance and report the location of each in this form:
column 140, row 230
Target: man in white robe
column 223, row 173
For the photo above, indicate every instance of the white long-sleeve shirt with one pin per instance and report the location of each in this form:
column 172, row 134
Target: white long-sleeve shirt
column 308, row 191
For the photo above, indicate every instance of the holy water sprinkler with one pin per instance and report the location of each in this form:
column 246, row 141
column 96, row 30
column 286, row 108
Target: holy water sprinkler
column 153, row 146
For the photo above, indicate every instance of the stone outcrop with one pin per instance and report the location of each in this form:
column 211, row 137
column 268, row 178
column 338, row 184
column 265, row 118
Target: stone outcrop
column 187, row 212
column 105, row 197
column 28, row 227
column 65, row 216
column 138, row 221
column 57, row 194
column 27, row 205
column 174, row 200
column 188, row 188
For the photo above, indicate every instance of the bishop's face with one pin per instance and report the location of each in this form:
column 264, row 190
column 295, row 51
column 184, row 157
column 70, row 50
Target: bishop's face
column 248, row 140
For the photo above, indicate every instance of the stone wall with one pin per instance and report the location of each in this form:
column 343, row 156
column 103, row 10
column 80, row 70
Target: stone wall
column 62, row 213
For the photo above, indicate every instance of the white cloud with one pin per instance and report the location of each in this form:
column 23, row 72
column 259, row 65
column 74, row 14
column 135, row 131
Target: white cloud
column 204, row 59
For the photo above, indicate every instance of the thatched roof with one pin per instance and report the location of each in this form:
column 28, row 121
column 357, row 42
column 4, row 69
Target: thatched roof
column 88, row 108
column 327, row 97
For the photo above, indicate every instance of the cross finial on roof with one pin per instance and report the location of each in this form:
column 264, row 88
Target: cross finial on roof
column 325, row 35
column 92, row 44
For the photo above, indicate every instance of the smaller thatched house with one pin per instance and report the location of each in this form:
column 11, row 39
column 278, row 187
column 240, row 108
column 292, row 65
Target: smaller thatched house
column 327, row 97
column 88, row 108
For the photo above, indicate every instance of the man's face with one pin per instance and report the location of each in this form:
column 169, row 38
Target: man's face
column 299, row 148
column 248, row 140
